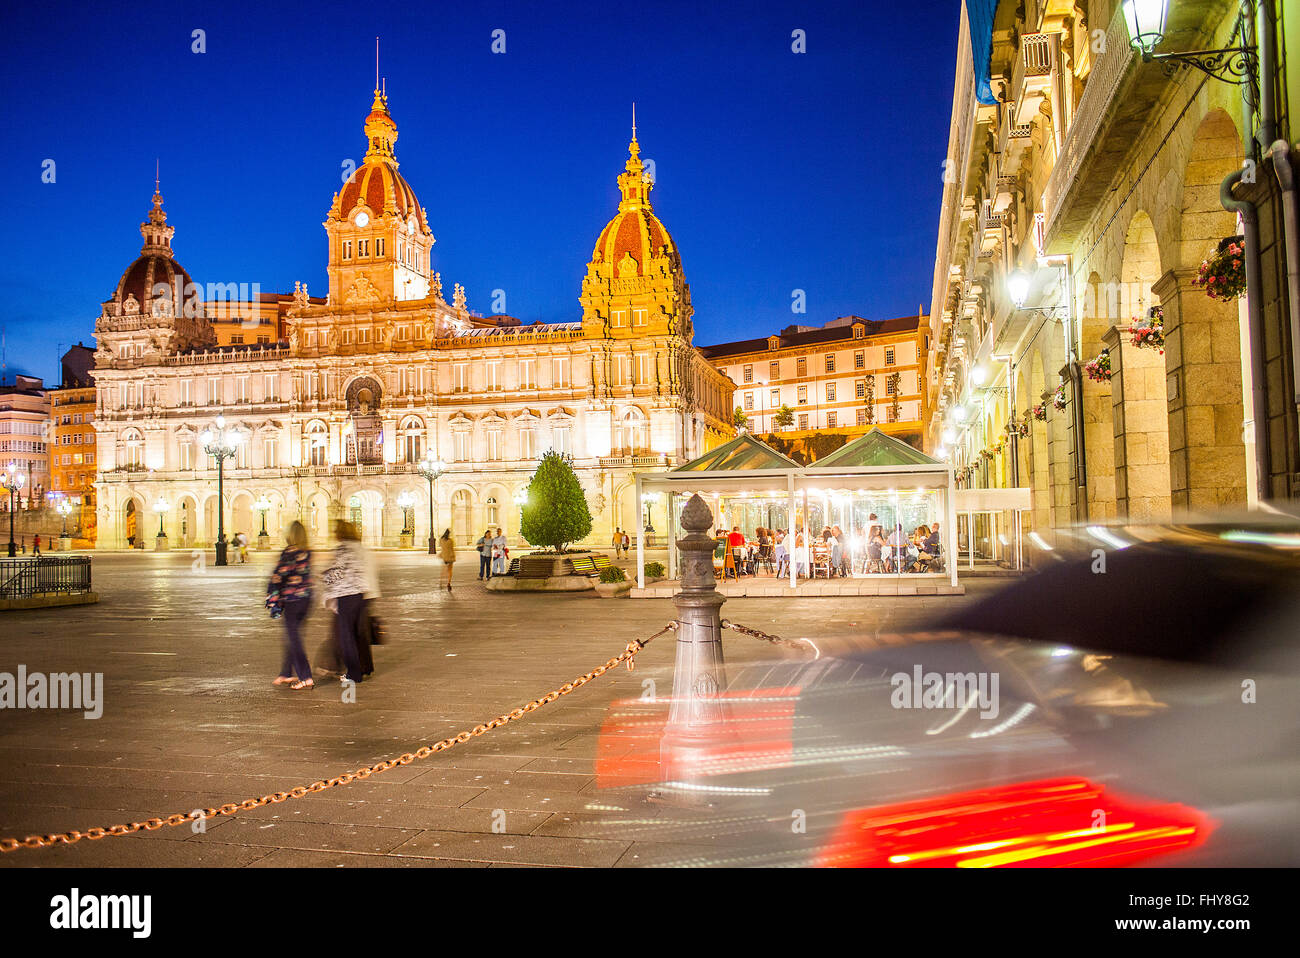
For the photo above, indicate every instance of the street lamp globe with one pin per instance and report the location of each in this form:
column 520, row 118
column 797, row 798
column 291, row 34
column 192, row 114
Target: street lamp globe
column 978, row 375
column 959, row 413
column 1018, row 287
column 1146, row 23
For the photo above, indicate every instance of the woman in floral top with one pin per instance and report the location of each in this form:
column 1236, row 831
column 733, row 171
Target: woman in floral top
column 288, row 594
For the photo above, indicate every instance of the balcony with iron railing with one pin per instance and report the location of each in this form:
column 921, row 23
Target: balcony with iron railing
column 1031, row 76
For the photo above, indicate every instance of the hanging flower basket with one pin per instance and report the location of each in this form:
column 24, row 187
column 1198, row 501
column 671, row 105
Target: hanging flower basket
column 1018, row 427
column 1040, row 412
column 1098, row 370
column 1223, row 275
column 987, row 454
column 1149, row 331
column 1058, row 398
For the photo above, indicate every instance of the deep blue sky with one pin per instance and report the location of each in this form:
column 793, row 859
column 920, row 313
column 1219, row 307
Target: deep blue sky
column 776, row 171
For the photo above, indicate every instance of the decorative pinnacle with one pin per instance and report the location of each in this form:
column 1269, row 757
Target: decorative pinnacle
column 696, row 516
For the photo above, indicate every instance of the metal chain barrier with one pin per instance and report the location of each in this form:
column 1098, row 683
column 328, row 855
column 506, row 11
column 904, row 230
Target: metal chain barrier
column 803, row 645
column 153, row 824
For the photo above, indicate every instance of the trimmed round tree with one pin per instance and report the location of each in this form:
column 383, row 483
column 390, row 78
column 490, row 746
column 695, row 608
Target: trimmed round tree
column 555, row 512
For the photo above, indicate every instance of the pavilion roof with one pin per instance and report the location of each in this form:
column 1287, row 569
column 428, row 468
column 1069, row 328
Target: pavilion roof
column 743, row 452
column 876, row 448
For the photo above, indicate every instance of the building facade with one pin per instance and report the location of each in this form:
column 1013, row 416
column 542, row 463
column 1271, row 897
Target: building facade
column 73, row 446
column 24, row 438
column 1077, row 353
column 848, row 376
column 336, row 412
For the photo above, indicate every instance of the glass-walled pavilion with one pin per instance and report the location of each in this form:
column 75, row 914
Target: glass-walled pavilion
column 874, row 481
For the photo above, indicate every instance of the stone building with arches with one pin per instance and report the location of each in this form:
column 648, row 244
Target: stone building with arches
column 1084, row 187
column 333, row 417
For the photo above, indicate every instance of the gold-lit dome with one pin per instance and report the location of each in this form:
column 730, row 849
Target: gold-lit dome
column 376, row 186
column 635, row 285
column 155, row 272
column 635, row 237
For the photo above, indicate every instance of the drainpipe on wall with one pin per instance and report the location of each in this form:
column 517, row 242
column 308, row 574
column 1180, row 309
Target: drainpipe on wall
column 1254, row 328
column 1281, row 155
column 1076, row 386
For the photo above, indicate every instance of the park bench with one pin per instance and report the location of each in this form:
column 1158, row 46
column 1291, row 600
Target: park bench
column 590, row 564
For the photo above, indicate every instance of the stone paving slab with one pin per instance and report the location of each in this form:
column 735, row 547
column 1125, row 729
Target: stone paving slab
column 191, row 720
column 515, row 849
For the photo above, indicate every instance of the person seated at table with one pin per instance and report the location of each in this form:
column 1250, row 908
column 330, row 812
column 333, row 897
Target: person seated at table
column 800, row 554
column 719, row 551
column 736, row 545
column 875, row 549
column 933, row 549
column 764, row 553
column 922, row 558
column 782, row 554
column 898, row 547
column 837, row 551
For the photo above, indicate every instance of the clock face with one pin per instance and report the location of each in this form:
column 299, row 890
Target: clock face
column 363, row 219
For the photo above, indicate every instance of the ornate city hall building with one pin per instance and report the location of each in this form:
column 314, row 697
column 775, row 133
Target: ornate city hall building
column 354, row 390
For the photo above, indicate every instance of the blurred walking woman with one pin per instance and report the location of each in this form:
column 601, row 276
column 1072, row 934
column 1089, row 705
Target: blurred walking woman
column 288, row 595
column 345, row 585
column 447, row 553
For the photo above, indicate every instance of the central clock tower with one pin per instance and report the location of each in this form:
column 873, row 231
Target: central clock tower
column 380, row 243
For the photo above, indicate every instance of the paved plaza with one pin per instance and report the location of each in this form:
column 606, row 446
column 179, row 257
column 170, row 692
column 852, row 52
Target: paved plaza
column 191, row 720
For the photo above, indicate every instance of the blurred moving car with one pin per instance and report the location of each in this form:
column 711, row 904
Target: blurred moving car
column 1144, row 714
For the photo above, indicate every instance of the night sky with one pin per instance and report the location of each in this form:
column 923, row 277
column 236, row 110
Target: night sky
column 775, row 171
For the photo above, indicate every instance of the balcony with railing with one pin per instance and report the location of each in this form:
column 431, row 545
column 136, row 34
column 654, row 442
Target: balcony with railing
column 1031, row 77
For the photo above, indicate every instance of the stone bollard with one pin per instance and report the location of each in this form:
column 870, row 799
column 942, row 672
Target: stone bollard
column 698, row 721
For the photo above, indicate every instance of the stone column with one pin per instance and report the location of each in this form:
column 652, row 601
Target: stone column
column 1140, row 414
column 1207, row 454
column 698, row 719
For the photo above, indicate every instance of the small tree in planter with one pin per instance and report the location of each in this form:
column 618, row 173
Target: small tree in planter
column 739, row 419
column 612, row 582
column 655, row 570
column 555, row 511
column 784, row 417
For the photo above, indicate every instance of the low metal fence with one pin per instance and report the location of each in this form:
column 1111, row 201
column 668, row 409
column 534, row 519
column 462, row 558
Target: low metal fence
column 44, row 575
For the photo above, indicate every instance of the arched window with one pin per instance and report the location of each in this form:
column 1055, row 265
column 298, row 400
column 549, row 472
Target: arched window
column 315, row 444
column 493, row 514
column 131, row 451
column 412, row 438
column 635, row 438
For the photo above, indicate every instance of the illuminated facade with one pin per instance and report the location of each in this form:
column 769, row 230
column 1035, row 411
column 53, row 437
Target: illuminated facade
column 1091, row 185
column 72, row 442
column 354, row 389
column 848, row 376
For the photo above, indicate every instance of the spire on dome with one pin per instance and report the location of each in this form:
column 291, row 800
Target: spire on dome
column 157, row 234
column 633, row 184
column 381, row 131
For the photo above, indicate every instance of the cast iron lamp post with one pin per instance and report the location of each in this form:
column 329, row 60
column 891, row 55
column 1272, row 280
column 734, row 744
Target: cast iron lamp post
column 161, row 507
column 649, row 498
column 406, row 500
column 262, row 505
column 220, row 445
column 13, row 482
column 431, row 469
column 65, row 508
